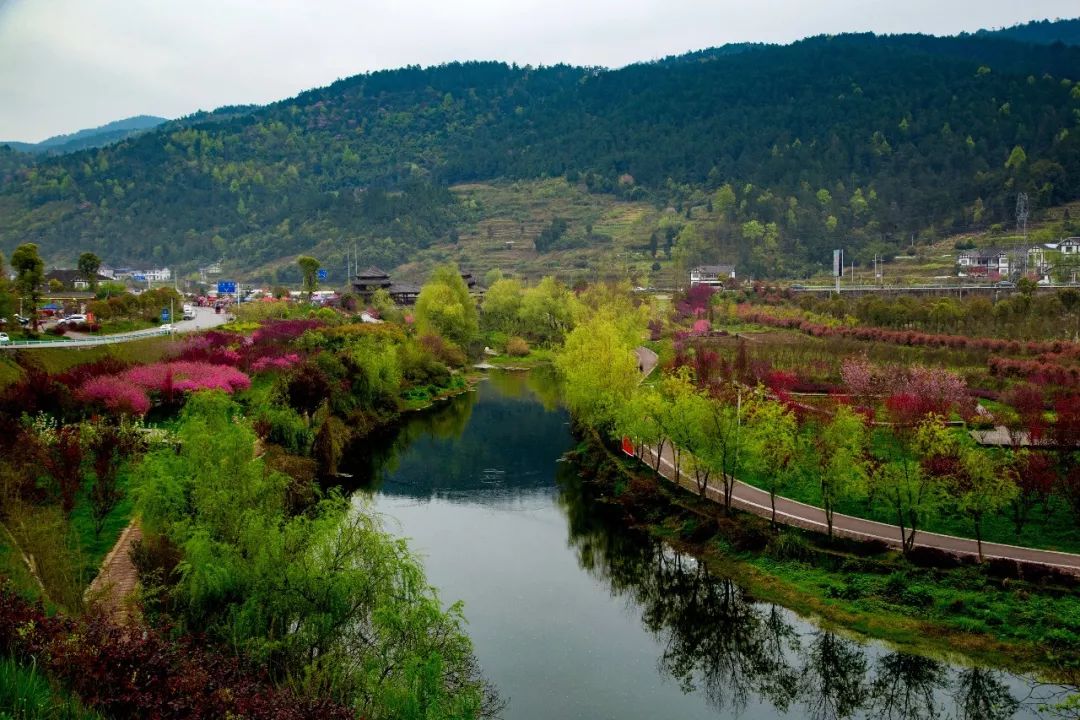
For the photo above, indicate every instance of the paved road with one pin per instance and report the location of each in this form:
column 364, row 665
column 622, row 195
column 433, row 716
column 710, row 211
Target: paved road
column 205, row 319
column 790, row 512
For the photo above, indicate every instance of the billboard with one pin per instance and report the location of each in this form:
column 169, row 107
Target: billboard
column 226, row 287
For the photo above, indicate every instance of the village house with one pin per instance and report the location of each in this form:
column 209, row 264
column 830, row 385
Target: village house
column 72, row 279
column 1070, row 246
column 714, row 275
column 368, row 282
column 988, row 262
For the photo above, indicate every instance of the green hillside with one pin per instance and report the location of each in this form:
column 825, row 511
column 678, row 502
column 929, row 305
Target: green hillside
column 768, row 156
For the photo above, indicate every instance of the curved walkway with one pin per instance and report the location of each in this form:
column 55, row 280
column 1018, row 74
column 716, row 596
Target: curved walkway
column 790, row 512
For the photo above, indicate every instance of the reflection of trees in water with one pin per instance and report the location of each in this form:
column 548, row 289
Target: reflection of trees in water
column 381, row 451
column 834, row 677
column 905, row 685
column 496, row 440
column 980, row 695
column 717, row 640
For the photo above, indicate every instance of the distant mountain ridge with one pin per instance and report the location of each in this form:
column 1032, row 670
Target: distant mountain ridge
column 789, row 151
column 90, row 137
column 1044, row 32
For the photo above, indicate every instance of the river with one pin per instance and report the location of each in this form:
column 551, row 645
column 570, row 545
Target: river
column 575, row 616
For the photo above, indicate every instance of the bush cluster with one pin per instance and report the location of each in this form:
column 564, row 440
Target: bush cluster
column 138, row 673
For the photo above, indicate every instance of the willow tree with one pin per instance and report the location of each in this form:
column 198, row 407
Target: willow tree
column 600, row 372
column 444, row 307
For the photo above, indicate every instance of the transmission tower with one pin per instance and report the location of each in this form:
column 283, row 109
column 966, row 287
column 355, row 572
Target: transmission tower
column 1022, row 214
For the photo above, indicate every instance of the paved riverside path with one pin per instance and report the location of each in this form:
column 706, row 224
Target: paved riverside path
column 790, row 512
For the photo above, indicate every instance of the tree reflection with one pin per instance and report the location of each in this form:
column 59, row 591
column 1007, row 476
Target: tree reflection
column 717, row 640
column 834, row 677
column 982, row 695
column 905, row 685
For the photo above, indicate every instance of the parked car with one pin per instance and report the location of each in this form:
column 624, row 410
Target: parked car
column 73, row 320
column 1005, row 284
column 4, row 338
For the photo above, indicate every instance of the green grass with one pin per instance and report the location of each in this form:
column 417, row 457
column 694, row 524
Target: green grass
column 536, row 356
column 10, row 371
column 1057, row 531
column 96, row 547
column 26, row 694
column 14, row 569
column 57, row 360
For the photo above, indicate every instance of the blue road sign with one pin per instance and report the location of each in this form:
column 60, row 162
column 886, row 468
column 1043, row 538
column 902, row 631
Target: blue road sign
column 322, row 275
column 226, row 287
column 164, row 315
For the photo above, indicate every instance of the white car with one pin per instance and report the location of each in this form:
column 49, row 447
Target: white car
column 165, row 327
column 73, row 320
column 4, row 338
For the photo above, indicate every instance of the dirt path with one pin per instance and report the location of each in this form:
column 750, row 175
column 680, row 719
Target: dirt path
column 790, row 512
column 114, row 587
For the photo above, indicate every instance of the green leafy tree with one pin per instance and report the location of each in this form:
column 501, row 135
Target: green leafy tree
column 772, row 444
column 913, row 494
column 599, row 371
column 983, row 485
column 309, row 269
column 726, row 439
column 841, row 446
column 89, row 264
column 445, row 307
column 325, row 600
column 30, row 273
column 7, row 301
column 502, row 306
column 548, row 311
column 641, row 420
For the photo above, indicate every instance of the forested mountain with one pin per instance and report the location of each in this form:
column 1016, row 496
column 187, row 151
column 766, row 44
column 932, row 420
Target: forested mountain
column 1041, row 31
column 859, row 139
column 90, row 138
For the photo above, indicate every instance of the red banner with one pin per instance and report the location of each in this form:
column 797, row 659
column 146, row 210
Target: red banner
column 627, row 446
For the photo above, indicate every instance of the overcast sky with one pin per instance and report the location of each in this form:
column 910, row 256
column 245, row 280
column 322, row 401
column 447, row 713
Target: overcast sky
column 72, row 64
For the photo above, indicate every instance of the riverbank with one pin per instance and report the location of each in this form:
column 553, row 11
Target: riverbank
column 1028, row 625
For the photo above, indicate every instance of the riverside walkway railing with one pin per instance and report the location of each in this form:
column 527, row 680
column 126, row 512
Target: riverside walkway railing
column 84, row 342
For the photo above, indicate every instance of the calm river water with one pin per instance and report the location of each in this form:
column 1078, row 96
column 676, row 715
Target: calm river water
column 574, row 616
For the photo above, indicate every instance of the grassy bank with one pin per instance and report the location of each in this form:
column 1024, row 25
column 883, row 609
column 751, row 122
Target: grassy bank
column 26, row 694
column 1027, row 624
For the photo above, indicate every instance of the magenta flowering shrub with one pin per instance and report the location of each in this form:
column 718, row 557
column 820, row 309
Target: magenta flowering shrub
column 115, row 395
column 283, row 331
column 700, row 327
column 912, row 392
column 283, row 362
column 184, row 376
column 696, row 302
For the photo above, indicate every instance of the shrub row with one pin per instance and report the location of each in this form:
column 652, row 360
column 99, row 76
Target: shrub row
column 137, row 673
column 907, row 337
